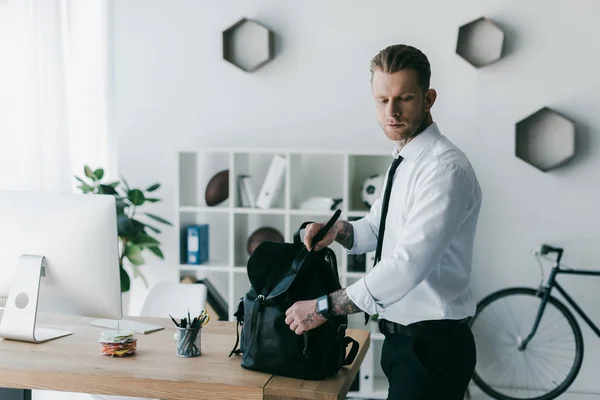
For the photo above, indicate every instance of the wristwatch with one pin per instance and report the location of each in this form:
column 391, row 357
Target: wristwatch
column 323, row 306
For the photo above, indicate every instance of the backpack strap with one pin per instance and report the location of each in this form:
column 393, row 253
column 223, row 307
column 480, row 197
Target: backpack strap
column 239, row 316
column 353, row 350
column 254, row 319
column 322, row 232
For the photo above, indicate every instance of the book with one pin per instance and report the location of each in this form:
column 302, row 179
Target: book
column 273, row 182
column 197, row 244
column 246, row 194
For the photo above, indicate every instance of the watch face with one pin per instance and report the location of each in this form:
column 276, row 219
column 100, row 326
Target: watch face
column 323, row 304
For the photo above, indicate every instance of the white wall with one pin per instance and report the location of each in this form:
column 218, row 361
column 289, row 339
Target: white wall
column 173, row 91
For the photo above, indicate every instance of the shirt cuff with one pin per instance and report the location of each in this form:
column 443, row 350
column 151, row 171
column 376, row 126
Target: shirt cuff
column 360, row 242
column 361, row 297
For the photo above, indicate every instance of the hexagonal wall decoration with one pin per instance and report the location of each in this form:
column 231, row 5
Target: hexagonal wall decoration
column 545, row 139
column 248, row 45
column 480, row 42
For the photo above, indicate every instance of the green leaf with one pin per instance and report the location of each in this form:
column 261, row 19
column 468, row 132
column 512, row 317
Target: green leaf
column 107, row 189
column 159, row 219
column 152, row 199
column 138, row 228
column 152, row 228
column 125, row 183
column 80, row 180
column 99, row 174
column 89, row 173
column 153, row 187
column 143, row 240
column 129, row 228
column 86, row 188
column 114, row 184
column 121, row 205
column 157, row 252
column 125, row 281
column 134, row 254
column 136, row 196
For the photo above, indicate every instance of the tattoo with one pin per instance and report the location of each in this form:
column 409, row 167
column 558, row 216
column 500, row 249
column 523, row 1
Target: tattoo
column 341, row 304
column 345, row 235
column 309, row 317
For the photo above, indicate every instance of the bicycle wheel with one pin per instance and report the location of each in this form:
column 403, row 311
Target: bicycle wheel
column 549, row 363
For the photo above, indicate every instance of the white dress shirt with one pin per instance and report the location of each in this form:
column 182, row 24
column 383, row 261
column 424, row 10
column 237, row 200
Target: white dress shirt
column 425, row 265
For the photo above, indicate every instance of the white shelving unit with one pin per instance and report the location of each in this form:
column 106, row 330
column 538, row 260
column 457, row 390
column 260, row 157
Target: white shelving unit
column 334, row 174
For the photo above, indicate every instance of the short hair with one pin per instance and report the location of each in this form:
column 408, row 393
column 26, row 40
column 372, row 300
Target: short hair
column 397, row 57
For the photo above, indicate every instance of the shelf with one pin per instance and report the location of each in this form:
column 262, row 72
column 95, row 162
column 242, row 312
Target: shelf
column 248, row 210
column 218, row 234
column 256, row 167
column 193, row 209
column 213, row 266
column 323, row 213
column 308, row 177
column 196, row 170
column 322, row 173
column 360, row 169
column 357, row 214
column 480, row 42
column 545, row 139
column 248, row 45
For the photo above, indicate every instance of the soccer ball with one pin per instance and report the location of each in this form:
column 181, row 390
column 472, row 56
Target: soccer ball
column 371, row 189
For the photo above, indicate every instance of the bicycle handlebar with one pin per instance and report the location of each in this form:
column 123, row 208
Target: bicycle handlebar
column 547, row 249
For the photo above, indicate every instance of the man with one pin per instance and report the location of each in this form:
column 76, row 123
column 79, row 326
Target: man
column 420, row 287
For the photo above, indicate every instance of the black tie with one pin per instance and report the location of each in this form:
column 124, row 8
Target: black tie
column 384, row 209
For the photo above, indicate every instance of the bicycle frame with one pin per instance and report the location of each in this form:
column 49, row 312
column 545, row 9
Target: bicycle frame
column 545, row 293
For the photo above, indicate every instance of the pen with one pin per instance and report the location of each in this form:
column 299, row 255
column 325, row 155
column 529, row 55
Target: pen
column 175, row 322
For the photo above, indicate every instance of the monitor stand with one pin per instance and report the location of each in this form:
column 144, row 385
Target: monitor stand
column 20, row 312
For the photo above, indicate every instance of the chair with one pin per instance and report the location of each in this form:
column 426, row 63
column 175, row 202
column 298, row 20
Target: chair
column 166, row 298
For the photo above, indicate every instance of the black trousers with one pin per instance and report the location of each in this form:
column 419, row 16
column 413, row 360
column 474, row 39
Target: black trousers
column 436, row 363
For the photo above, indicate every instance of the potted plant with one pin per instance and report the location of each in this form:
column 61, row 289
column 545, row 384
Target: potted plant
column 134, row 234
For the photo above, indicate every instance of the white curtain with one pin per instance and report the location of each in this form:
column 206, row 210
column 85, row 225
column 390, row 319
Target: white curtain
column 54, row 92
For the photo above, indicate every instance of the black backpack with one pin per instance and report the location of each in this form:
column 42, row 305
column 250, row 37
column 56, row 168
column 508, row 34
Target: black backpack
column 280, row 275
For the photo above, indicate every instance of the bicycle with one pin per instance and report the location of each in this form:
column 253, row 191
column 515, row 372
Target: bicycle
column 542, row 337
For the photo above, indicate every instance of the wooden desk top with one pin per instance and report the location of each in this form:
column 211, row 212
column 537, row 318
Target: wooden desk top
column 74, row 364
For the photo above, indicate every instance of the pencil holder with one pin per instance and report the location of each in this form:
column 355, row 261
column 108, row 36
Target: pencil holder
column 188, row 341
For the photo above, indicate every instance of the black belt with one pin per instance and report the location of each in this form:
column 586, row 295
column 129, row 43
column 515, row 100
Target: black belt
column 418, row 328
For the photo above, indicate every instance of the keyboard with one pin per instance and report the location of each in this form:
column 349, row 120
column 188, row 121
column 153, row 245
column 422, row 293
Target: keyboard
column 137, row 327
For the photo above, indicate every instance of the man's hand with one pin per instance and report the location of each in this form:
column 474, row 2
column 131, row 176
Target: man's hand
column 303, row 316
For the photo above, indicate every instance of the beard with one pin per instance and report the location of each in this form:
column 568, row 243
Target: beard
column 408, row 130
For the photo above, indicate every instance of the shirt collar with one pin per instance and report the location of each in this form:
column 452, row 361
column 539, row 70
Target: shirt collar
column 413, row 150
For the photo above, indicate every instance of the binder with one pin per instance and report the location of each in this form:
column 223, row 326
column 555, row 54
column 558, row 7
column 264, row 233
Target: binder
column 273, row 182
column 197, row 244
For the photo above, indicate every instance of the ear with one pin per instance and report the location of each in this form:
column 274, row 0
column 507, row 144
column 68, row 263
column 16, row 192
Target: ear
column 430, row 96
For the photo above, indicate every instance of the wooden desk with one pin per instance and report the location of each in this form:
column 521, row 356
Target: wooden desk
column 74, row 364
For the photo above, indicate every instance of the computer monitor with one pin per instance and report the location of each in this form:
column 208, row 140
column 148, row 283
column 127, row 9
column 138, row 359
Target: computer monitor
column 59, row 254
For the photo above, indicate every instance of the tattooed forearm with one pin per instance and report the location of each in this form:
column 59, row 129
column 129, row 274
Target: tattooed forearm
column 340, row 303
column 345, row 235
